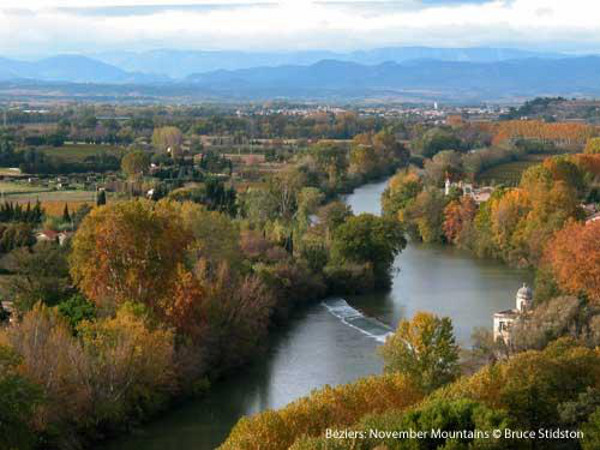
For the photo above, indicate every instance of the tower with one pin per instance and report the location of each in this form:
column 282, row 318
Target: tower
column 524, row 299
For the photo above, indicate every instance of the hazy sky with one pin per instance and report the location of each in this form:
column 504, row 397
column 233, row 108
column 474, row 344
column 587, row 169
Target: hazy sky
column 40, row 27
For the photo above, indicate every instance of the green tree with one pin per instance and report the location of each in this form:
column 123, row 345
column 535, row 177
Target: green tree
column 18, row 400
column 101, row 199
column 425, row 349
column 77, row 309
column 372, row 240
column 591, row 432
column 66, row 217
column 434, row 141
column 41, row 275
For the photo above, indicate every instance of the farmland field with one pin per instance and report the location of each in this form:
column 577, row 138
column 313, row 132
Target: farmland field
column 78, row 152
column 510, row 173
column 14, row 188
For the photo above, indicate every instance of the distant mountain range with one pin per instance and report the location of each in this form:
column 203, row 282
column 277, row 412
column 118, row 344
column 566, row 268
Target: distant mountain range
column 446, row 74
column 427, row 78
column 71, row 68
column 180, row 64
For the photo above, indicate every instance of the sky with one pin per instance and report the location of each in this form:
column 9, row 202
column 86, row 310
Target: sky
column 32, row 28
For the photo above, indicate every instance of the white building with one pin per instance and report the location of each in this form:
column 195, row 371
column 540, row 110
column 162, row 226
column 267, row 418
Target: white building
column 505, row 320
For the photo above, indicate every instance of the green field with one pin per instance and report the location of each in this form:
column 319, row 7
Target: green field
column 21, row 187
column 78, row 152
column 53, row 196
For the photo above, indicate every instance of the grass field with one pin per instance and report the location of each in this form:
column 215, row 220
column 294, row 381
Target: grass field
column 13, row 188
column 78, row 152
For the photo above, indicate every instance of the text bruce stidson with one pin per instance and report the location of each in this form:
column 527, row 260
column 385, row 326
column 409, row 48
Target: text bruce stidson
column 454, row 434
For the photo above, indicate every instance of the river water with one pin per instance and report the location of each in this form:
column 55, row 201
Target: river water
column 336, row 342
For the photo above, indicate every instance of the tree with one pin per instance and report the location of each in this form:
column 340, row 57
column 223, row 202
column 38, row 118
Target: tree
column 66, row 217
column 424, row 349
column 130, row 362
column 17, row 235
column 434, row 141
column 367, row 239
column 574, row 257
column 402, row 189
column 285, row 187
column 77, row 309
column 447, row 163
column 424, row 217
column 333, row 215
column 216, row 237
column 135, row 163
column 168, row 139
column 18, row 401
column 129, row 251
column 41, row 275
column 592, row 146
column 101, row 199
column 458, row 221
column 591, row 432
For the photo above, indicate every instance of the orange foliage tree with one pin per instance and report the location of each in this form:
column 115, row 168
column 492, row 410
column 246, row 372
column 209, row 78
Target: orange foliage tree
column 129, row 251
column 574, row 257
column 458, row 217
column 559, row 132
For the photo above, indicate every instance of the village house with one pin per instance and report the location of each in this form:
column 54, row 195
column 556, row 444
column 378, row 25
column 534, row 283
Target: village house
column 54, row 236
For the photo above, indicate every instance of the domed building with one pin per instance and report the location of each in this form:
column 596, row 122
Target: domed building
column 504, row 320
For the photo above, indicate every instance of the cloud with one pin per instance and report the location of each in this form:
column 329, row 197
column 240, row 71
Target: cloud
column 93, row 25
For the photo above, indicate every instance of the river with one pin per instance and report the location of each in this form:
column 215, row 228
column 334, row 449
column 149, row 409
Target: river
column 336, row 342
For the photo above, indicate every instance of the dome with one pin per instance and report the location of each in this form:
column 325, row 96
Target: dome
column 525, row 292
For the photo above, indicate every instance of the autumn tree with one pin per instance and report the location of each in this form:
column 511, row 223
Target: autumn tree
column 423, row 218
column 592, row 146
column 129, row 361
column 135, row 164
column 402, row 189
column 425, row 349
column 447, row 163
column 574, row 256
column 129, row 251
column 458, row 221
